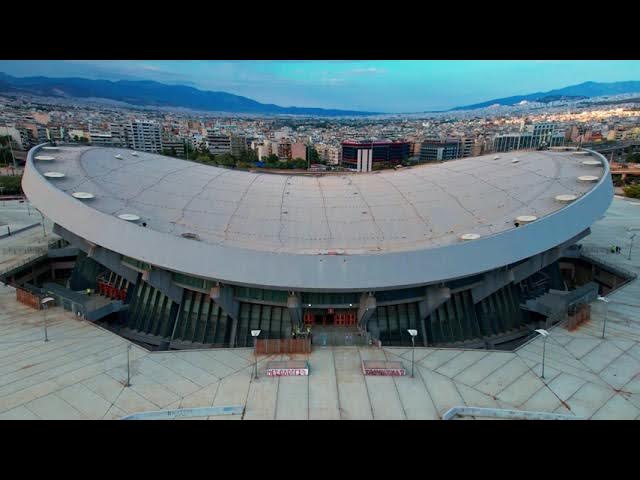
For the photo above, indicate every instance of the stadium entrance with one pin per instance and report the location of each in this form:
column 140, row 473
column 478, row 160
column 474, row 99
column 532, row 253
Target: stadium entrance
column 330, row 317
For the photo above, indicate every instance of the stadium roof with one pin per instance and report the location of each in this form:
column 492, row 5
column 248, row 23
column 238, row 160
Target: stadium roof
column 380, row 230
column 415, row 208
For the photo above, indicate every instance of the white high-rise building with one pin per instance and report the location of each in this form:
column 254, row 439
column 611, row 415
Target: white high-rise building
column 145, row 136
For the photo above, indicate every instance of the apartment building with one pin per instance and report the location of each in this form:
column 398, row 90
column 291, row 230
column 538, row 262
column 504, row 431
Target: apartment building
column 218, row 143
column 144, row 135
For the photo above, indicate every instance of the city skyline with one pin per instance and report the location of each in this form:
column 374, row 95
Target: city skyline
column 388, row 86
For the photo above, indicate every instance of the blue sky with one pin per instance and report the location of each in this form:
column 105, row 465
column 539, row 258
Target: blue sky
column 372, row 85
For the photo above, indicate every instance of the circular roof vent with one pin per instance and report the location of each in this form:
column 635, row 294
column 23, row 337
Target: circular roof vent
column 45, row 157
column 130, row 217
column 469, row 236
column 566, row 198
column 588, row 178
column 526, row 218
column 83, row 195
column 592, row 163
column 191, row 236
column 53, row 174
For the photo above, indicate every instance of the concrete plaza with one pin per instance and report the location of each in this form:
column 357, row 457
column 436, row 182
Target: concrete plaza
column 80, row 373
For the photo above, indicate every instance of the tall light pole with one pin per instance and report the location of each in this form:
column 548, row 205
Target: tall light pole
column 45, row 306
column 606, row 311
column 544, row 334
column 44, row 230
column 254, row 334
column 413, row 334
column 128, row 366
column 631, row 245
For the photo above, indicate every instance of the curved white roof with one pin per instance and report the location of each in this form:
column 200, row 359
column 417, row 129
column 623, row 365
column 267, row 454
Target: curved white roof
column 417, row 212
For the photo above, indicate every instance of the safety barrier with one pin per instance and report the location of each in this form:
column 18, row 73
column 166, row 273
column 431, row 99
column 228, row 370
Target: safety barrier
column 27, row 298
column 109, row 290
column 338, row 338
column 504, row 413
column 283, row 345
column 580, row 315
column 185, row 412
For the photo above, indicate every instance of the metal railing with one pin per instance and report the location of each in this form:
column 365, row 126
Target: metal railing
column 341, row 339
column 504, row 414
column 39, row 252
column 185, row 412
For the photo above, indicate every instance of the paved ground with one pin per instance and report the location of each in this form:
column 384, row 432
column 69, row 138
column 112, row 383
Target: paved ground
column 80, row 373
column 20, row 247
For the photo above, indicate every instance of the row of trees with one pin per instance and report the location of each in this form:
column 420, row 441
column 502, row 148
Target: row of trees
column 247, row 158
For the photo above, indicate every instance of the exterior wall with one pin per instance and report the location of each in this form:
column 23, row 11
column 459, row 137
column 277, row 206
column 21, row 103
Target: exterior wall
column 299, row 150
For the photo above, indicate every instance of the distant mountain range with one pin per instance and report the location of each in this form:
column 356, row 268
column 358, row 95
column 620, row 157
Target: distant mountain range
column 153, row 94
column 148, row 94
column 573, row 92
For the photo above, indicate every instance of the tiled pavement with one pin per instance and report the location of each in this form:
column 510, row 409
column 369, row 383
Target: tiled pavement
column 81, row 372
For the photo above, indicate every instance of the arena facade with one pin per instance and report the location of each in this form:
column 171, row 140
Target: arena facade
column 198, row 256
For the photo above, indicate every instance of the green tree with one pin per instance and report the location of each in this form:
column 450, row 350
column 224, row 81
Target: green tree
column 271, row 161
column 12, row 184
column 632, row 191
column 5, row 155
column 248, row 156
column 633, row 157
column 190, row 151
column 203, row 158
column 313, row 155
column 227, row 160
column 297, row 163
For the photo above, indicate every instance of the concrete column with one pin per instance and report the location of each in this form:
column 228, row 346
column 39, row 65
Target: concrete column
column 294, row 306
column 366, row 309
column 223, row 296
column 435, row 297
